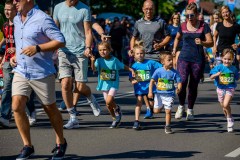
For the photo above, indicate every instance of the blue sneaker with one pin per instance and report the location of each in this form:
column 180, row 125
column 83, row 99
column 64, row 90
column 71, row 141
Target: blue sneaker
column 148, row 114
column 136, row 125
column 26, row 152
column 118, row 114
column 62, row 106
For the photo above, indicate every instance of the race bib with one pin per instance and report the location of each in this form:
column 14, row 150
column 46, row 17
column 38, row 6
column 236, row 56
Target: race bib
column 226, row 78
column 210, row 55
column 165, row 84
column 142, row 75
column 108, row 75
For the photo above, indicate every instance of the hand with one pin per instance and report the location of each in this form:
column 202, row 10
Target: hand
column 234, row 46
column 29, row 51
column 150, row 95
column 105, row 38
column 198, row 41
column 218, row 74
column 92, row 58
column 214, row 50
column 178, row 90
column 13, row 62
column 156, row 45
column 88, row 52
column 174, row 52
column 11, row 50
column 133, row 73
column 130, row 53
column 134, row 81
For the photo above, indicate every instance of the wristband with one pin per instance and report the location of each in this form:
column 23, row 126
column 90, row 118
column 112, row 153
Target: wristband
column 38, row 49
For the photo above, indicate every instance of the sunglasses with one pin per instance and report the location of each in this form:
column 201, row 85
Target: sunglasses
column 190, row 15
column 17, row 0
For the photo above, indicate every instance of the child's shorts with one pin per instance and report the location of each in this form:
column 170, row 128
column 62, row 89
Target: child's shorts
column 111, row 92
column 161, row 100
column 222, row 92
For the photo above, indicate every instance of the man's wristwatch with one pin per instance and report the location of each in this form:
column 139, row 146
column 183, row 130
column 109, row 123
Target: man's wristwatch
column 38, row 49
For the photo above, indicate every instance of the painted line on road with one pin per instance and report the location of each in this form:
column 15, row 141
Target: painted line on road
column 99, row 99
column 234, row 153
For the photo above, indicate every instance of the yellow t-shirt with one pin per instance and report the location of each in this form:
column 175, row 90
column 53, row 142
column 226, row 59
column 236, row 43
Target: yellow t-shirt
column 1, row 35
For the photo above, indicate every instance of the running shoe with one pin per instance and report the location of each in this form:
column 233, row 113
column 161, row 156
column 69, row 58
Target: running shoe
column 118, row 113
column 94, row 105
column 190, row 115
column 230, row 122
column 168, row 130
column 4, row 122
column 26, row 152
column 148, row 114
column 72, row 123
column 230, row 129
column 62, row 106
column 136, row 125
column 179, row 113
column 32, row 118
column 59, row 151
column 115, row 124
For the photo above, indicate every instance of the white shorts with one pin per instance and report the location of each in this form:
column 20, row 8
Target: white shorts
column 111, row 92
column 161, row 100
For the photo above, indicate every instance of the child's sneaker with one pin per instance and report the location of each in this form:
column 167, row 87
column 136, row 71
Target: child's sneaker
column 148, row 114
column 115, row 124
column 230, row 122
column 190, row 115
column 179, row 113
column 168, row 130
column 118, row 114
column 136, row 125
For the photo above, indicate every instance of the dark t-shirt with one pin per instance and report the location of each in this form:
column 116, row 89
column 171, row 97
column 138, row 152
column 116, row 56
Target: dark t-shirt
column 149, row 31
column 192, row 52
column 226, row 35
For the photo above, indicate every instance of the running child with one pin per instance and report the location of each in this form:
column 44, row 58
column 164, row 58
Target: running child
column 225, row 76
column 164, row 79
column 108, row 68
column 143, row 71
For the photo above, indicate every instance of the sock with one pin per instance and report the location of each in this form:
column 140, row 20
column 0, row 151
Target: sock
column 73, row 112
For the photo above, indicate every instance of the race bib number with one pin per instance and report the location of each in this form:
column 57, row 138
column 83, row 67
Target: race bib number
column 108, row 75
column 210, row 55
column 165, row 84
column 226, row 78
column 142, row 75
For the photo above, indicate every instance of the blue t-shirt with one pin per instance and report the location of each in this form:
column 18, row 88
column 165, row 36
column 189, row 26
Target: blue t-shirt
column 228, row 77
column 144, row 71
column 71, row 20
column 165, row 80
column 191, row 52
column 173, row 32
column 108, row 75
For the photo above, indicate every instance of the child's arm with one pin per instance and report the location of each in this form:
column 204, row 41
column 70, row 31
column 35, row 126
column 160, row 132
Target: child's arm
column 133, row 80
column 150, row 92
column 213, row 76
column 179, row 88
column 129, row 69
column 92, row 58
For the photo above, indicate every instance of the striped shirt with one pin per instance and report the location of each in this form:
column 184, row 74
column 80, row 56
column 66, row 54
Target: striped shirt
column 8, row 33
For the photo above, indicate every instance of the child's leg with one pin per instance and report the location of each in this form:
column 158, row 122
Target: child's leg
column 138, row 107
column 168, row 117
column 109, row 100
column 157, row 103
column 226, row 105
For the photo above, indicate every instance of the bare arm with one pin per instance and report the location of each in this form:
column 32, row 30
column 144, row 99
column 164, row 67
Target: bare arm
column 209, row 41
column 213, row 76
column 176, row 42
column 215, row 36
column 179, row 88
column 129, row 69
column 88, row 40
column 150, row 93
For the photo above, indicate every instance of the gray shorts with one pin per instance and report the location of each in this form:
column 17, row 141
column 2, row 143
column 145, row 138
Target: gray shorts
column 72, row 66
column 44, row 88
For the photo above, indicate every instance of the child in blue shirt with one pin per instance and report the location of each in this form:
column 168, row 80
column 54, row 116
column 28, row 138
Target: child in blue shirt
column 164, row 79
column 225, row 76
column 143, row 71
column 108, row 68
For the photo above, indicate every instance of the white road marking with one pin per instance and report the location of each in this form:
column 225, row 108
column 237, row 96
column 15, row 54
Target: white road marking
column 234, row 153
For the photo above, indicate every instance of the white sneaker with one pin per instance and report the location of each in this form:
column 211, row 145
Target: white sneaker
column 4, row 122
column 32, row 118
column 230, row 129
column 94, row 105
column 179, row 113
column 190, row 115
column 230, row 122
column 72, row 123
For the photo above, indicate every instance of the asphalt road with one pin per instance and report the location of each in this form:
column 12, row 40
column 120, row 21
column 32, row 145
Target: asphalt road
column 205, row 138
